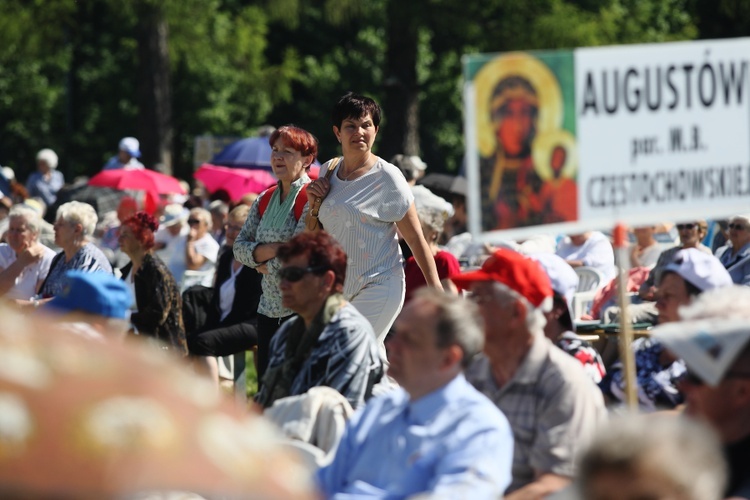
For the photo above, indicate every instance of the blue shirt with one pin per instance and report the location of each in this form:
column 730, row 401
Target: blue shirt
column 452, row 443
column 39, row 187
column 737, row 265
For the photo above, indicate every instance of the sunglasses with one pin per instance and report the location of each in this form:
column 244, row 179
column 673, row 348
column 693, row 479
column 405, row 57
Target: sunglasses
column 738, row 227
column 681, row 227
column 193, row 222
column 293, row 274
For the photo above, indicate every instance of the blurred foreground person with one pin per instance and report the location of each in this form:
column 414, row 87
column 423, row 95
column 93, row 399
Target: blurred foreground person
column 655, row 458
column 92, row 305
column 84, row 419
column 552, row 405
column 714, row 342
column 435, row 435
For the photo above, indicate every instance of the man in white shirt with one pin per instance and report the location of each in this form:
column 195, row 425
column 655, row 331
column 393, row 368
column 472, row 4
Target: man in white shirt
column 590, row 249
column 24, row 262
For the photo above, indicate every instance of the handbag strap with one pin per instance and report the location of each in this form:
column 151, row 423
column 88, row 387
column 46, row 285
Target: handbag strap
column 331, row 168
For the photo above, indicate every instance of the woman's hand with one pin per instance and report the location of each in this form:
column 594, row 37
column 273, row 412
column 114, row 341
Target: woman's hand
column 263, row 269
column 317, row 189
column 32, row 254
column 265, row 251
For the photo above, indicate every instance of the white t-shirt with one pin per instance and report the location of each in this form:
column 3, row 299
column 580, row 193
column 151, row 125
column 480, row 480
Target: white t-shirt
column 162, row 235
column 206, row 246
column 27, row 281
column 361, row 215
column 595, row 252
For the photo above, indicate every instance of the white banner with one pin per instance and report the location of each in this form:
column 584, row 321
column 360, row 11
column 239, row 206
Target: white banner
column 663, row 131
column 568, row 141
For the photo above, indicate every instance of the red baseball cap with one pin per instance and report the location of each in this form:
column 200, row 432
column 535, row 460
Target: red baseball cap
column 514, row 270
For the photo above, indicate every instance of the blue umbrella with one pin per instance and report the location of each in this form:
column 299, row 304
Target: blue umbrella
column 253, row 152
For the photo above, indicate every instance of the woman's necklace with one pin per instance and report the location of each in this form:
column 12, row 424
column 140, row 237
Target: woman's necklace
column 347, row 176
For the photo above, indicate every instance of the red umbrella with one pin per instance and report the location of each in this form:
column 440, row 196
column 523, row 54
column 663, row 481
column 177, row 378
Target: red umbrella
column 138, row 180
column 150, row 181
column 235, row 181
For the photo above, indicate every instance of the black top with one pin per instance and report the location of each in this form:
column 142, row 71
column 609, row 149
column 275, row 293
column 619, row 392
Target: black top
column 159, row 303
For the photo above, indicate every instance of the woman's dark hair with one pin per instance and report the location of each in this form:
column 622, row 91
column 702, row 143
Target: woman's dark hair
column 353, row 105
column 322, row 250
column 297, row 138
column 143, row 226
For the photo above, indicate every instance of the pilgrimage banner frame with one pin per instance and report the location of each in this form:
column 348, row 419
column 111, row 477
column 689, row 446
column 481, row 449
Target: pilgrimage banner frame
column 575, row 140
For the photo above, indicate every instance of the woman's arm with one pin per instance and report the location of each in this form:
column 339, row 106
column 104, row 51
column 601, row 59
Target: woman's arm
column 411, row 230
column 246, row 249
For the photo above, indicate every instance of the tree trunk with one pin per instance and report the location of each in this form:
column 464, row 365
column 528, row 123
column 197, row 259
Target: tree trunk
column 401, row 101
column 155, row 129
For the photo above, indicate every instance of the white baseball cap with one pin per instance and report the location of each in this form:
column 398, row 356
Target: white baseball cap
column 700, row 269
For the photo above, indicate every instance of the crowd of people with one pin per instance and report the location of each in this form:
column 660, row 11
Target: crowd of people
column 454, row 368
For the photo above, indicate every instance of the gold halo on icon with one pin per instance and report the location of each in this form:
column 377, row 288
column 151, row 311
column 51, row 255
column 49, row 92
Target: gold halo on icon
column 541, row 151
column 536, row 73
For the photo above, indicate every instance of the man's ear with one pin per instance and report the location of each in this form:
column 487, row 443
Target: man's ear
column 337, row 133
column 452, row 355
column 519, row 309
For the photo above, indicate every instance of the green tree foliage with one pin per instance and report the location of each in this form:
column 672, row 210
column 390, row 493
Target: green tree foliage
column 69, row 79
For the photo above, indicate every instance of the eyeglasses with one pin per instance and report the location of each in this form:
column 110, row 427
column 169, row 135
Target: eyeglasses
column 293, row 274
column 193, row 222
column 682, row 227
column 232, row 227
column 738, row 227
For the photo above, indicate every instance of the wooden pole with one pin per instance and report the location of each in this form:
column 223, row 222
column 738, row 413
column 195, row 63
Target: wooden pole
column 626, row 327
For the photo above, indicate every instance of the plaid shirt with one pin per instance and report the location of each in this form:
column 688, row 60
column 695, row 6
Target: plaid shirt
column 553, row 408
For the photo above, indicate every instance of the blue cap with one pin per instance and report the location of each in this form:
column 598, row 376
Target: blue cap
column 95, row 293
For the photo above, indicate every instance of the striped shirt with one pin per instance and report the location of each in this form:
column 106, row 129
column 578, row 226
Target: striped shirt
column 361, row 215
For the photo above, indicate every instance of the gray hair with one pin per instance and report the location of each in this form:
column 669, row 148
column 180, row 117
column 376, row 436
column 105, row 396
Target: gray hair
column 432, row 217
column 76, row 212
column 204, row 215
column 457, row 322
column 683, row 452
column 240, row 212
column 743, row 217
column 31, row 216
column 47, row 156
column 535, row 319
column 218, row 207
column 729, row 302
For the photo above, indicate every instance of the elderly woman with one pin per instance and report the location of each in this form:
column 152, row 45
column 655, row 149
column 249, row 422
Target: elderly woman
column 432, row 211
column 157, row 297
column 273, row 219
column 364, row 202
column 231, row 319
column 74, row 227
column 47, row 180
column 736, row 255
column 24, row 262
column 195, row 251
